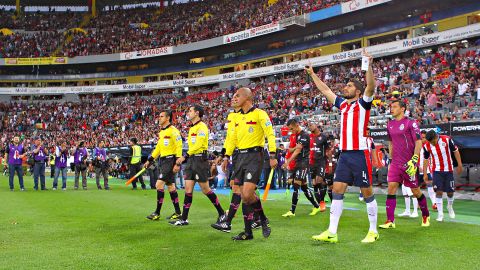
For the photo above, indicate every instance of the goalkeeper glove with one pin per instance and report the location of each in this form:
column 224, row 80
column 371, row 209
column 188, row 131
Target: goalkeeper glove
column 411, row 166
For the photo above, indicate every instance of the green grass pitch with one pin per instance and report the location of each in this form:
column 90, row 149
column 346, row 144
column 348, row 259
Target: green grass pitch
column 107, row 230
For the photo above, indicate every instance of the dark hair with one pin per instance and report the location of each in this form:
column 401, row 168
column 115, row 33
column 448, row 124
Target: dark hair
column 423, row 132
column 400, row 103
column 199, row 109
column 134, row 140
column 169, row 114
column 292, row 121
column 431, row 134
column 358, row 85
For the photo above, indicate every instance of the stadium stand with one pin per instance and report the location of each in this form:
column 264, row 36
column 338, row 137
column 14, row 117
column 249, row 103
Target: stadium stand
column 125, row 30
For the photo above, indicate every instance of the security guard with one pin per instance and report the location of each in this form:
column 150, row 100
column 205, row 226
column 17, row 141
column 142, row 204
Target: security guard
column 252, row 127
column 135, row 162
column 169, row 149
column 197, row 167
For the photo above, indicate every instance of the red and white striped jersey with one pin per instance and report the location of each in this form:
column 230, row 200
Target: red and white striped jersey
column 354, row 122
column 441, row 154
column 420, row 161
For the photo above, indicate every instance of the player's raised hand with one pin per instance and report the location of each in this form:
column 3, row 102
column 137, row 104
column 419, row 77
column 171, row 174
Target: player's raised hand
column 308, row 68
column 365, row 53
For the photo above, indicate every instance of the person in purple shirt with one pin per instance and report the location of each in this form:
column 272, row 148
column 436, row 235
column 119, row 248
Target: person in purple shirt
column 14, row 154
column 39, row 153
column 80, row 156
column 61, row 156
column 404, row 146
column 101, row 165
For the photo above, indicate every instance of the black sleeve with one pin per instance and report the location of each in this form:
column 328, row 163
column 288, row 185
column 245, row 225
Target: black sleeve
column 452, row 146
column 130, row 151
column 304, row 139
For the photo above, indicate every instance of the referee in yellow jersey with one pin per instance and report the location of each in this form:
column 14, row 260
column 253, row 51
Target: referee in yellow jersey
column 252, row 127
column 224, row 223
column 169, row 149
column 197, row 167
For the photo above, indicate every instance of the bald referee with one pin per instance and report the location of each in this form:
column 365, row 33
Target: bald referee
column 252, row 127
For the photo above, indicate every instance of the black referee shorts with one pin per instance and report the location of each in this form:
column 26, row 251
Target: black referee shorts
column 197, row 169
column 247, row 168
column 166, row 173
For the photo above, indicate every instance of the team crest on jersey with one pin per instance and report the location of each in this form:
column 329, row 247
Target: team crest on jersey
column 161, row 176
column 251, row 130
column 165, row 142
column 414, row 125
column 249, row 176
column 402, row 126
column 196, row 177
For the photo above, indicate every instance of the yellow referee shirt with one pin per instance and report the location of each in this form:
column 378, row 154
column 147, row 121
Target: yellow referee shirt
column 231, row 122
column 197, row 138
column 169, row 143
column 250, row 130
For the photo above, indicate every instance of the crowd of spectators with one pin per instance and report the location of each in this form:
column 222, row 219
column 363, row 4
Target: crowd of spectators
column 124, row 30
column 439, row 86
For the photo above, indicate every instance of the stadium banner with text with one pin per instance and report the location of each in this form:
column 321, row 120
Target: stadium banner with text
column 36, row 61
column 377, row 51
column 251, row 33
column 355, row 5
column 471, row 128
column 146, row 53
